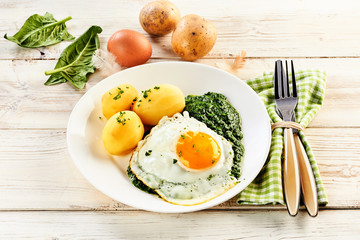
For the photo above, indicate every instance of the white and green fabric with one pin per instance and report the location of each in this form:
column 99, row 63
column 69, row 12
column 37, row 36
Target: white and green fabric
column 267, row 187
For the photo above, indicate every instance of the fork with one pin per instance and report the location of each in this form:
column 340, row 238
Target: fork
column 286, row 104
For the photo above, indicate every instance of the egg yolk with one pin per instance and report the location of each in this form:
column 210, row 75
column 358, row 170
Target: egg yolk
column 197, row 150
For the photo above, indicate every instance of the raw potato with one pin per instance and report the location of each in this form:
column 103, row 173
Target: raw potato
column 122, row 132
column 193, row 37
column 159, row 101
column 159, row 17
column 118, row 99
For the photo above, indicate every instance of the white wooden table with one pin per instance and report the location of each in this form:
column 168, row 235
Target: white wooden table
column 43, row 195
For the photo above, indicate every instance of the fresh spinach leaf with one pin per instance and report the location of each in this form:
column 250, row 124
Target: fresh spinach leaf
column 75, row 62
column 40, row 31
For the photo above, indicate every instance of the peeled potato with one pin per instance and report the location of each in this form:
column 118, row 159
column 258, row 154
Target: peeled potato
column 159, row 101
column 159, row 17
column 122, row 132
column 118, row 99
column 193, row 37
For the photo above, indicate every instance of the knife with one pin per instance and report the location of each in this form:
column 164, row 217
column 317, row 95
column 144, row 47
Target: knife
column 307, row 179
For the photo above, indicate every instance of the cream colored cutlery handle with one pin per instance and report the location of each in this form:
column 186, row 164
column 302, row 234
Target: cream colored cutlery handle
column 291, row 174
column 308, row 184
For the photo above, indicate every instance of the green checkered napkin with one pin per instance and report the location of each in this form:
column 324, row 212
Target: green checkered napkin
column 267, row 187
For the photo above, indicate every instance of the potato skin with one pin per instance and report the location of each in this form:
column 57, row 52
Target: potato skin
column 122, row 132
column 118, row 99
column 159, row 17
column 193, row 37
column 159, row 101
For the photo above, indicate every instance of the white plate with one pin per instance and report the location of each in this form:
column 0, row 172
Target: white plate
column 108, row 173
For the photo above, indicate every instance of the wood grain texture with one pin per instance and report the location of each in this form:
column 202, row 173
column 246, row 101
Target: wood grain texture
column 26, row 103
column 295, row 29
column 260, row 224
column 36, row 165
column 44, row 196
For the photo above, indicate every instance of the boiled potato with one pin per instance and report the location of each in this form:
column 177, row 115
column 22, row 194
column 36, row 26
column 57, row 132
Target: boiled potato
column 193, row 37
column 122, row 132
column 118, row 99
column 159, row 101
column 159, row 17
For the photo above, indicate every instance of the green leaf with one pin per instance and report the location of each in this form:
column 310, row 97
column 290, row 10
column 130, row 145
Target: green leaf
column 40, row 31
column 75, row 62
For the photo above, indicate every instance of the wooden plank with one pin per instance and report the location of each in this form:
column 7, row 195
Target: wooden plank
column 37, row 172
column 26, row 103
column 277, row 30
column 37, row 175
column 330, row 224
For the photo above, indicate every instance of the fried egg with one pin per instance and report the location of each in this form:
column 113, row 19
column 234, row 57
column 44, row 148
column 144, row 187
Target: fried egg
column 184, row 161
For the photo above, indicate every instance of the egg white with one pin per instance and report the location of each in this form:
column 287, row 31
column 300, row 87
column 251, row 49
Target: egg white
column 155, row 162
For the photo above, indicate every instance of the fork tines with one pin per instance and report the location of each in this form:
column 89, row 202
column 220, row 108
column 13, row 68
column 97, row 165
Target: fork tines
column 282, row 80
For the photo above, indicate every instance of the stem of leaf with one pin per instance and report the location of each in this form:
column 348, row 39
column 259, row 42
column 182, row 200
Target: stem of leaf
column 55, row 70
column 65, row 19
column 55, row 23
